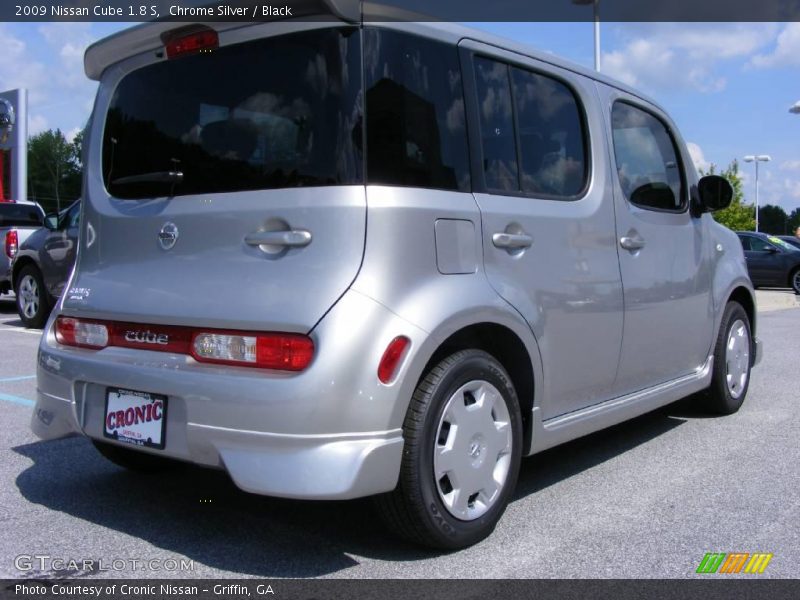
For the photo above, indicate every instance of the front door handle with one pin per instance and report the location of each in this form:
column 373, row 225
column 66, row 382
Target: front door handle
column 512, row 241
column 632, row 242
column 295, row 238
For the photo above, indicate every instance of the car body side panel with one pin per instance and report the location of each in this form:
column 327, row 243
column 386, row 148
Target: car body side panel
column 400, row 271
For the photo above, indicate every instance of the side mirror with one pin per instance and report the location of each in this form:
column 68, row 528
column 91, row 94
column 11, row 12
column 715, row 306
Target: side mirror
column 715, row 193
column 772, row 250
column 51, row 221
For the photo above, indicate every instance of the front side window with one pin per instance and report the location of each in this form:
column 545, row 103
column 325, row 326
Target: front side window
column 272, row 113
column 759, row 245
column 415, row 123
column 648, row 166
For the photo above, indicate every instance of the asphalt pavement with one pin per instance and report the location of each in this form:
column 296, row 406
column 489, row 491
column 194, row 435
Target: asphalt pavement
column 648, row 498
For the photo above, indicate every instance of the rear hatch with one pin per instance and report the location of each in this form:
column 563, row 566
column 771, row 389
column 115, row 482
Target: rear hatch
column 225, row 187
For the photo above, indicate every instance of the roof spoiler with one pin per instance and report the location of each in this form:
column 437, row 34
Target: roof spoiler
column 147, row 36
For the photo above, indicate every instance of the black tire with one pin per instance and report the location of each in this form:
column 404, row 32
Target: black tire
column 415, row 510
column 794, row 280
column 719, row 397
column 134, row 460
column 31, row 278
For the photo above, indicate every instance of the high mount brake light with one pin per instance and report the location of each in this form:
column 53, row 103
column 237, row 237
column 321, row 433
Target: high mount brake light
column 195, row 42
column 266, row 350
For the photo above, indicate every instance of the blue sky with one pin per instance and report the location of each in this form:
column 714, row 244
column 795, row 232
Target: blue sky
column 728, row 86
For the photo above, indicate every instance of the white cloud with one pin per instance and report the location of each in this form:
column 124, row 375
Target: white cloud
column 36, row 124
column 683, row 55
column 786, row 52
column 698, row 158
column 70, row 135
column 17, row 70
column 790, row 165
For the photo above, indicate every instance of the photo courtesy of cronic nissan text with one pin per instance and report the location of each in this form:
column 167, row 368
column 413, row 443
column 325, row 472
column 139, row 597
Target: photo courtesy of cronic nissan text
column 399, row 299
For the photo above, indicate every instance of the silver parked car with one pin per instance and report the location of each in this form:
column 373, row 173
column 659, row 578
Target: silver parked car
column 392, row 262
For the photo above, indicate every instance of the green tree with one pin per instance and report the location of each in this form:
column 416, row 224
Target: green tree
column 54, row 169
column 773, row 219
column 794, row 220
column 738, row 216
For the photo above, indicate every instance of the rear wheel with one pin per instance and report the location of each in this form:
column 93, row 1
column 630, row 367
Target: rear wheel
column 134, row 460
column 463, row 443
column 732, row 361
column 33, row 302
column 794, row 280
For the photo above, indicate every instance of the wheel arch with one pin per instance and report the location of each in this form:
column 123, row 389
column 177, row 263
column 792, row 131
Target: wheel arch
column 20, row 263
column 504, row 344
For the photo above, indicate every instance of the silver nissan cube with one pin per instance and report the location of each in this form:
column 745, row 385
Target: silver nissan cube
column 339, row 258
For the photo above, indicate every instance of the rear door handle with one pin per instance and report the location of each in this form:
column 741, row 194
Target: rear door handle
column 632, row 242
column 512, row 240
column 295, row 238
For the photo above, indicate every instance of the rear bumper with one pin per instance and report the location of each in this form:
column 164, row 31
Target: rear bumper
column 289, row 466
column 331, row 432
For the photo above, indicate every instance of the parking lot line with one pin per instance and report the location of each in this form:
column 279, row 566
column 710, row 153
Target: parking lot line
column 21, row 378
column 18, row 330
column 16, row 400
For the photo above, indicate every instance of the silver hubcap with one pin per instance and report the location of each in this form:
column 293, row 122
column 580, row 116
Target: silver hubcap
column 472, row 455
column 737, row 358
column 28, row 296
column 796, row 281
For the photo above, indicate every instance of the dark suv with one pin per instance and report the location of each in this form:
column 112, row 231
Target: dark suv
column 770, row 260
column 43, row 263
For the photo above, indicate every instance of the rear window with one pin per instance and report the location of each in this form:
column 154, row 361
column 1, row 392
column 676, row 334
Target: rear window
column 273, row 113
column 20, row 215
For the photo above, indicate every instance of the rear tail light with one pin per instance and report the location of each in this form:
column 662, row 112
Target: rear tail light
column 391, row 358
column 84, row 334
column 286, row 352
column 195, row 42
column 280, row 351
column 12, row 243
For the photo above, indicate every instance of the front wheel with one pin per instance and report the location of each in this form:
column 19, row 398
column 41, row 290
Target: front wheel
column 463, row 445
column 794, row 280
column 732, row 361
column 33, row 303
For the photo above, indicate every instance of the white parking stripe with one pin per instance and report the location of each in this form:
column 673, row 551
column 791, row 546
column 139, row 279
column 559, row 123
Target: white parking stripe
column 33, row 331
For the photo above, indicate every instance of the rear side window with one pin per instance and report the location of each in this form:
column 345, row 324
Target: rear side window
column 532, row 132
column 415, row 123
column 273, row 113
column 650, row 172
column 497, row 125
column 552, row 148
column 20, row 215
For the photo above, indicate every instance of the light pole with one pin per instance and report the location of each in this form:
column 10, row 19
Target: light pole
column 757, row 159
column 596, row 8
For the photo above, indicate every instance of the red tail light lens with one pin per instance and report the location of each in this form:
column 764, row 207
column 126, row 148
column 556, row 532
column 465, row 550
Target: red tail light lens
column 286, row 352
column 84, row 334
column 280, row 351
column 192, row 43
column 12, row 243
column 391, row 358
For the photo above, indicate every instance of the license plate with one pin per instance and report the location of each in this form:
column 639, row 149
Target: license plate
column 137, row 418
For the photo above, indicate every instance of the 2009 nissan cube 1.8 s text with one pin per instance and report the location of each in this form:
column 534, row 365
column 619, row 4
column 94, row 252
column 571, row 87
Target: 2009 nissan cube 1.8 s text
column 343, row 259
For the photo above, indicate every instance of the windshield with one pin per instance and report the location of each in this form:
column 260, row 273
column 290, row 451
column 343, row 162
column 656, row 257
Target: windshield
column 273, row 113
column 783, row 245
column 20, row 215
